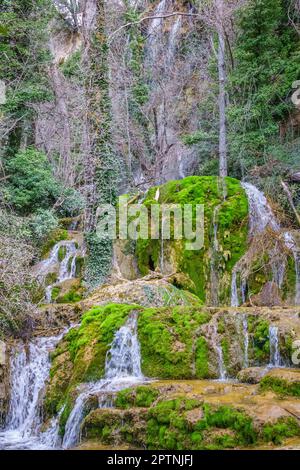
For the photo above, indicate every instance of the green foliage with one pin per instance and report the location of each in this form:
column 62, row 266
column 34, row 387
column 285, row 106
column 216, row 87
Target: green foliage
column 98, row 261
column 71, row 68
column 283, row 428
column 41, row 224
column 266, row 55
column 23, row 34
column 261, row 341
column 72, row 203
column 280, row 386
column 31, row 183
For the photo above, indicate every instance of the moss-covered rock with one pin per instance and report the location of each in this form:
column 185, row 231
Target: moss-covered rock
column 167, row 337
column 283, row 382
column 175, row 421
column 80, row 356
column 150, row 291
column 232, row 217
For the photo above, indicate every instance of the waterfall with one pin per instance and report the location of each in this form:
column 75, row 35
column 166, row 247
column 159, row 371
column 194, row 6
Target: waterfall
column 260, row 212
column 213, row 330
column 275, row 359
column 155, row 32
column 222, row 369
column 260, row 217
column 291, row 244
column 122, row 369
column 173, row 39
column 66, row 267
column 234, row 290
column 30, row 367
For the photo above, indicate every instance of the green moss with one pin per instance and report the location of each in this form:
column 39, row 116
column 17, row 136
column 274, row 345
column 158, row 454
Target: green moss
column 79, row 262
column 138, row 397
column 168, row 419
column 261, row 341
column 202, row 358
column 55, row 293
column 289, row 285
column 75, row 294
column 55, row 237
column 232, row 231
column 167, row 336
column 225, row 350
column 62, row 251
column 280, row 386
column 51, row 279
column 172, row 424
column 226, row 417
column 283, row 428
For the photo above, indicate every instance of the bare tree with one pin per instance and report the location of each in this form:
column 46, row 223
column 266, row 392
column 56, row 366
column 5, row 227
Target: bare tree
column 71, row 10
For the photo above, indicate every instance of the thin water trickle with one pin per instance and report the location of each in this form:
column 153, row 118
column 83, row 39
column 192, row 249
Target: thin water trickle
column 234, row 290
column 275, row 359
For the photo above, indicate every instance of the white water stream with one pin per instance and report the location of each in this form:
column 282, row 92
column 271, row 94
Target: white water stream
column 66, row 266
column 122, row 369
column 30, row 366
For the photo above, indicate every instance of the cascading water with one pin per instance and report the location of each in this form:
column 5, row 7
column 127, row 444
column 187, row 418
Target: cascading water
column 234, row 289
column 155, row 32
column 29, row 371
column 122, row 369
column 173, row 39
column 260, row 217
column 67, row 266
column 215, row 342
column 275, row 359
column 260, row 212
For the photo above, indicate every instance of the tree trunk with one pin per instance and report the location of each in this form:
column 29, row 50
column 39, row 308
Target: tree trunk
column 222, row 92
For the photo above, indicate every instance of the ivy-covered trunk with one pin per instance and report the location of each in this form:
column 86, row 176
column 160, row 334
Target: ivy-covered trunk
column 100, row 168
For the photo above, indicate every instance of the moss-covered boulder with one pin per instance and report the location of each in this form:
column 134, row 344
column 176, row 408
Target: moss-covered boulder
column 149, row 291
column 225, row 235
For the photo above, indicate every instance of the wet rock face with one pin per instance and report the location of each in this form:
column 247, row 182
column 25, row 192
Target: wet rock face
column 268, row 297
